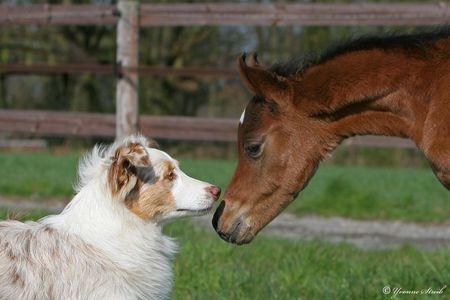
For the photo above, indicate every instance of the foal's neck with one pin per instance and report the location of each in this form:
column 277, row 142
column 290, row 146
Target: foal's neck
column 365, row 92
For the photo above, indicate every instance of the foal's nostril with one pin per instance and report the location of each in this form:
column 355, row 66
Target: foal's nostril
column 232, row 235
column 214, row 191
column 223, row 235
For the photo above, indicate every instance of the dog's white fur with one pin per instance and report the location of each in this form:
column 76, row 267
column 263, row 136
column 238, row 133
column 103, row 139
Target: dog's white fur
column 99, row 248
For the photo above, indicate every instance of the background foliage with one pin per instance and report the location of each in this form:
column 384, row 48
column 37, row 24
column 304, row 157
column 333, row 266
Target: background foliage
column 203, row 46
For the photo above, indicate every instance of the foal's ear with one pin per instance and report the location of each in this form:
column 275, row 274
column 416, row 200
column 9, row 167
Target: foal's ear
column 122, row 174
column 261, row 81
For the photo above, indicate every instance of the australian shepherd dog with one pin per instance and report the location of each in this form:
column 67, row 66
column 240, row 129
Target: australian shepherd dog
column 107, row 243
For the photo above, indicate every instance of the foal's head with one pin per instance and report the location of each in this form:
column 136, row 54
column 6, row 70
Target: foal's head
column 279, row 148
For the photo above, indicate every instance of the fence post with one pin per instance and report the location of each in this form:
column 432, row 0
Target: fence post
column 127, row 56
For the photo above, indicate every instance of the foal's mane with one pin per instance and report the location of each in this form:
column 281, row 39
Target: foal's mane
column 416, row 43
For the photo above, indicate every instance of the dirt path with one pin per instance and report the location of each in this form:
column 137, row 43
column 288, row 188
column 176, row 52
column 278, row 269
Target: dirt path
column 363, row 234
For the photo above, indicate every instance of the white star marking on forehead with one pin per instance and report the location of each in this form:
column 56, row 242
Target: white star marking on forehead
column 241, row 120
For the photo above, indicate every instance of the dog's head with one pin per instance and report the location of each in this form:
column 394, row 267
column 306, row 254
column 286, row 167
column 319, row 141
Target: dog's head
column 151, row 184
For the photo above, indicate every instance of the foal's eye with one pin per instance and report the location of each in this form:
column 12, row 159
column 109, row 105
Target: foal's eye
column 253, row 150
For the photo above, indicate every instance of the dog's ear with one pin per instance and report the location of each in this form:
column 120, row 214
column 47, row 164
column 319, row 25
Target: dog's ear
column 152, row 143
column 123, row 170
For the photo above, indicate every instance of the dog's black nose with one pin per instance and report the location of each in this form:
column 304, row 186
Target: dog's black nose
column 217, row 215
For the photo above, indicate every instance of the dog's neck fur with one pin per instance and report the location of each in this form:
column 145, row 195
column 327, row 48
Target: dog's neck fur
column 139, row 248
column 108, row 242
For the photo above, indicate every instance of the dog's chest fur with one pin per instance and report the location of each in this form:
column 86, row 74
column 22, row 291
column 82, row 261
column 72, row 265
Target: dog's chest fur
column 38, row 261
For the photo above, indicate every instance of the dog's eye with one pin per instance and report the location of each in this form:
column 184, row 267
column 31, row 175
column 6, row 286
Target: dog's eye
column 253, row 150
column 171, row 176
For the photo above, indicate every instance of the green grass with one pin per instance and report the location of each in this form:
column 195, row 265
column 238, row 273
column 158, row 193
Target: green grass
column 354, row 192
column 208, row 268
column 22, row 216
column 375, row 193
column 38, row 175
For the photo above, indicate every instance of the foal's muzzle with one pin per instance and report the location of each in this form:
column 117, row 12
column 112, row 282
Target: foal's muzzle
column 230, row 228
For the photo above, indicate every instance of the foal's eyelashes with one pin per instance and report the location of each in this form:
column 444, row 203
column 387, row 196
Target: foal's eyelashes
column 253, row 149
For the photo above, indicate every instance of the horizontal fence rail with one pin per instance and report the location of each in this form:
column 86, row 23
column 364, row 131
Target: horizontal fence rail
column 294, row 14
column 176, row 14
column 40, row 14
column 155, row 70
column 50, row 123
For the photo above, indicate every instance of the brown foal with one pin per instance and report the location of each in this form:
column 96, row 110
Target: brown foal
column 393, row 86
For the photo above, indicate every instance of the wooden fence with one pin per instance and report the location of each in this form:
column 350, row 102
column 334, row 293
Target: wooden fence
column 187, row 14
column 128, row 17
column 154, row 70
column 48, row 123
